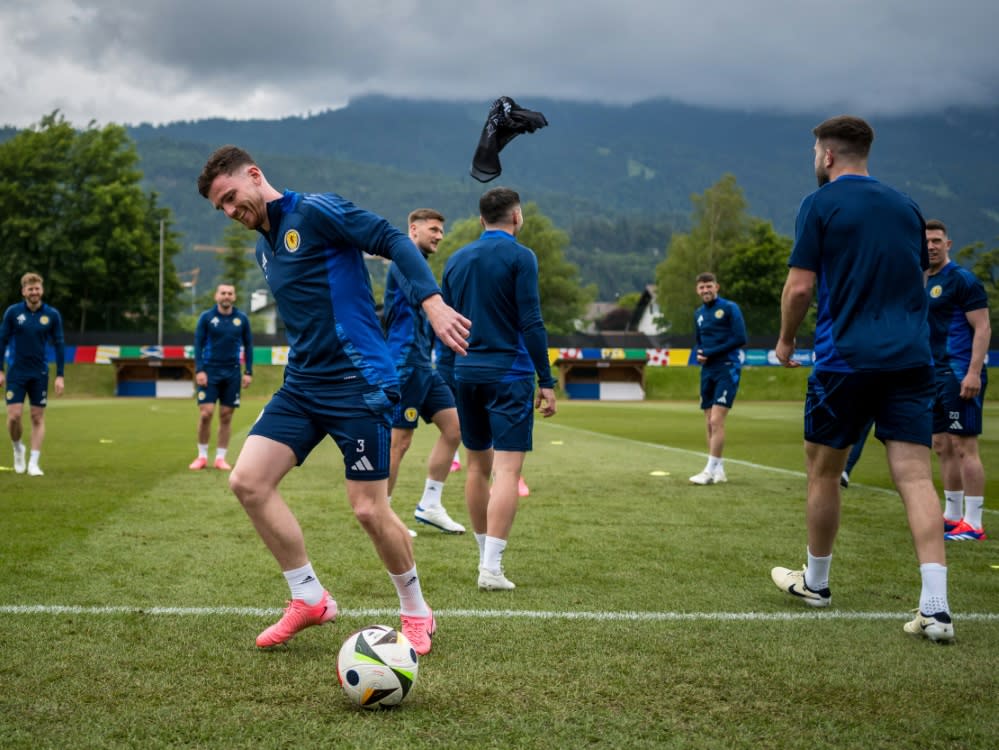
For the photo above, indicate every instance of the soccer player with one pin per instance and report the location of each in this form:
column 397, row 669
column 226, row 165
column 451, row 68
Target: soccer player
column 862, row 245
column 720, row 332
column 424, row 392
column 494, row 281
column 339, row 380
column 220, row 333
column 959, row 338
column 29, row 326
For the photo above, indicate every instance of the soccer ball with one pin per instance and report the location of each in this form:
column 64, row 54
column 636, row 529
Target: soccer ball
column 377, row 667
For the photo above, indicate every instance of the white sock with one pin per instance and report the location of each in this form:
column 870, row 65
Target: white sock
column 457, row 457
column 973, row 510
column 220, row 454
column 952, row 505
column 933, row 597
column 304, row 584
column 18, row 447
column 35, row 455
column 714, row 463
column 481, row 540
column 411, row 601
column 203, row 450
column 817, row 572
column 431, row 494
column 492, row 554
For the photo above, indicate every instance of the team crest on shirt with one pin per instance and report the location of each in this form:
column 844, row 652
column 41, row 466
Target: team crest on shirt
column 719, row 314
column 292, row 240
column 237, row 322
column 936, row 291
column 44, row 320
column 410, row 414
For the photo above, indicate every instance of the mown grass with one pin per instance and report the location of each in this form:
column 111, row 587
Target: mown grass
column 644, row 614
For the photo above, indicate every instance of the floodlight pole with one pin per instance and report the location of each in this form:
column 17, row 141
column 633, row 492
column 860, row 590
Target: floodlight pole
column 159, row 317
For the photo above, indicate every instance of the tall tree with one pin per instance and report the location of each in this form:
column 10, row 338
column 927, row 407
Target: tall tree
column 72, row 209
column 237, row 261
column 563, row 298
column 753, row 275
column 720, row 223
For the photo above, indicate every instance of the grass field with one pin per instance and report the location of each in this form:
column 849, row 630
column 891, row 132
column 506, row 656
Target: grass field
column 132, row 590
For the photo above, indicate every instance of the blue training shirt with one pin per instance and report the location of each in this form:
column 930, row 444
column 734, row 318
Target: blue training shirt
column 28, row 332
column 494, row 282
column 953, row 291
column 313, row 262
column 866, row 243
column 720, row 331
column 218, row 338
column 409, row 334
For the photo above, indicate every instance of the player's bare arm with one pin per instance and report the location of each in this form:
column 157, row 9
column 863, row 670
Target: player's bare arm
column 971, row 384
column 794, row 302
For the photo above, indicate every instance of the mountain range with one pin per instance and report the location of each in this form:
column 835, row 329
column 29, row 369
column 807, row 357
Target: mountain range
column 617, row 179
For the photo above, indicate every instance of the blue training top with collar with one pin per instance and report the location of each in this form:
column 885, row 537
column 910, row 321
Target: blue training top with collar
column 312, row 258
column 218, row 338
column 494, row 282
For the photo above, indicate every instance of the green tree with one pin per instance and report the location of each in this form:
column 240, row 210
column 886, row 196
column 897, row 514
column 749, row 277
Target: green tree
column 720, row 224
column 72, row 209
column 563, row 298
column 985, row 265
column 237, row 261
column 753, row 276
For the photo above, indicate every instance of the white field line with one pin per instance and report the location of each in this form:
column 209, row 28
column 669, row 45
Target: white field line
column 42, row 609
column 698, row 454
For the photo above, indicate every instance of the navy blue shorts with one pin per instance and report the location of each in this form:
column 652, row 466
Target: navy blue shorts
column 719, row 385
column 424, row 393
column 953, row 414
column 496, row 415
column 358, row 423
column 35, row 387
column 222, row 388
column 839, row 405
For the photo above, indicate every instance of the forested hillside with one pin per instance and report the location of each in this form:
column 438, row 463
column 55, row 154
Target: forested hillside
column 618, row 179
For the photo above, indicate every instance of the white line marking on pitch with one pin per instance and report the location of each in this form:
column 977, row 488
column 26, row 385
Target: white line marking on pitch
column 53, row 609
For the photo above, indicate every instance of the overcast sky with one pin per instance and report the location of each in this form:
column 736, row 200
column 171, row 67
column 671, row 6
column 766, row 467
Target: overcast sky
column 134, row 61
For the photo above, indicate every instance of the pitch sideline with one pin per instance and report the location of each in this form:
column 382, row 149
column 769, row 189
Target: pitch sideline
column 43, row 609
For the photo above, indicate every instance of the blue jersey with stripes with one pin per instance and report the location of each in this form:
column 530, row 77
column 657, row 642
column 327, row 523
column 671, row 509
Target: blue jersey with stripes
column 27, row 332
column 494, row 282
column 953, row 291
column 218, row 339
column 408, row 332
column 866, row 243
column 720, row 331
column 312, row 258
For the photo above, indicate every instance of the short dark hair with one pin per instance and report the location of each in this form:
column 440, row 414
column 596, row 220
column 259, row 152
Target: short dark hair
column 936, row 224
column 706, row 276
column 224, row 160
column 496, row 205
column 846, row 135
column 426, row 214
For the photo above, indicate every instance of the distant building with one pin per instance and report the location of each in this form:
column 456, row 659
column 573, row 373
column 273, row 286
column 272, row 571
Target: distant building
column 643, row 318
column 263, row 308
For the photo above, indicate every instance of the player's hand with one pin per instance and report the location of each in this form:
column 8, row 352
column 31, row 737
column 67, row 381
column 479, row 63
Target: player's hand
column 544, row 401
column 971, row 385
column 247, row 379
column 60, row 384
column 1, row 378
column 785, row 354
column 450, row 326
column 201, row 378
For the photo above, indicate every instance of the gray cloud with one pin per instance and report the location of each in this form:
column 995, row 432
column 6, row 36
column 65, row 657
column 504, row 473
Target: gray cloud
column 157, row 61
